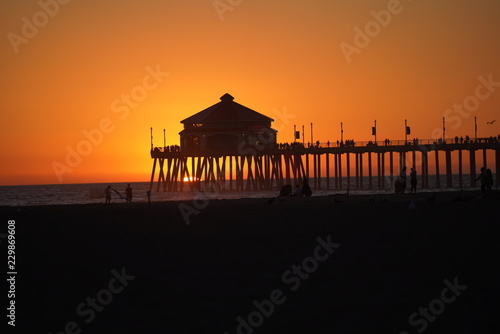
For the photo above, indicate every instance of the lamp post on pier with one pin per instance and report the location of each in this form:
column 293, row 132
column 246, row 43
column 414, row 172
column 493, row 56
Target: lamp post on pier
column 312, row 142
column 151, row 138
column 407, row 132
column 475, row 128
column 341, row 132
column 444, row 130
column 303, row 138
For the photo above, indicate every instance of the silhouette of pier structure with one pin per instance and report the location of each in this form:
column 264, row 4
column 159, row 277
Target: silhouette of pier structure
column 229, row 147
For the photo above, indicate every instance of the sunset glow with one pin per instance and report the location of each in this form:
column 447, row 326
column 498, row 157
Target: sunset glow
column 85, row 81
column 190, row 179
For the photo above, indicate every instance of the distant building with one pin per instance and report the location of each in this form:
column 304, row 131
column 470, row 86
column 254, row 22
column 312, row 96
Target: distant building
column 227, row 127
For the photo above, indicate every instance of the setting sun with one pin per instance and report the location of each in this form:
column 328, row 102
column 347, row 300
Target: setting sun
column 190, row 179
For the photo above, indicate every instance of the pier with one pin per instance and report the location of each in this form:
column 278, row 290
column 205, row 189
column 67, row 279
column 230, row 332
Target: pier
column 229, row 147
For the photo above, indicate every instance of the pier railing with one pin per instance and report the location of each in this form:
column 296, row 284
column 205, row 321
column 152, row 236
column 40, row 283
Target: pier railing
column 349, row 147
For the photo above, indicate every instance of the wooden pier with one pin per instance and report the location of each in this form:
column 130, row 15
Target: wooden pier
column 270, row 169
column 228, row 146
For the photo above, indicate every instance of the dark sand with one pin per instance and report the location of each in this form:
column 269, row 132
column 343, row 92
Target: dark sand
column 200, row 278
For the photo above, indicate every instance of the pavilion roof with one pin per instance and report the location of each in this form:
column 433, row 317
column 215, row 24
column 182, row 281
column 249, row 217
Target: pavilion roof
column 227, row 111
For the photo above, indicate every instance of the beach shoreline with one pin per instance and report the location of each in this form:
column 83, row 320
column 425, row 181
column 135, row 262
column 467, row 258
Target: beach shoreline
column 323, row 194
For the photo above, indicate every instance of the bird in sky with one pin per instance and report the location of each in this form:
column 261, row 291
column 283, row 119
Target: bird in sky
column 493, row 121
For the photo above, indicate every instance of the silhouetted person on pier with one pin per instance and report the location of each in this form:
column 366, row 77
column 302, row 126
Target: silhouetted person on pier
column 482, row 179
column 413, row 180
column 128, row 193
column 107, row 193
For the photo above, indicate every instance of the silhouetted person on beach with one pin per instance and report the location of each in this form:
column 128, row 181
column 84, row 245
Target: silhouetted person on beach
column 482, row 179
column 128, row 193
column 400, row 184
column 402, row 175
column 489, row 179
column 148, row 194
column 413, row 180
column 306, row 190
column 107, row 193
column 298, row 191
column 286, row 190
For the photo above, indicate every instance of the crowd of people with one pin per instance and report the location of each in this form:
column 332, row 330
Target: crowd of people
column 171, row 149
column 485, row 178
column 351, row 143
column 301, row 189
column 289, row 146
column 328, row 144
column 468, row 140
column 347, row 143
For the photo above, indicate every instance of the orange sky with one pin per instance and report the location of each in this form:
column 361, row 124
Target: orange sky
column 70, row 74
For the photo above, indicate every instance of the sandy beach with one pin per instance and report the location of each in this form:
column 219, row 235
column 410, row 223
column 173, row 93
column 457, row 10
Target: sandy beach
column 331, row 264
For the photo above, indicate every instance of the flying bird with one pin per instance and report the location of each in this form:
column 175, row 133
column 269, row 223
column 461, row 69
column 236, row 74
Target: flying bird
column 493, row 121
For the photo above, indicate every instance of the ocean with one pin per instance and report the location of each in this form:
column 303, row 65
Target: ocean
column 57, row 194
